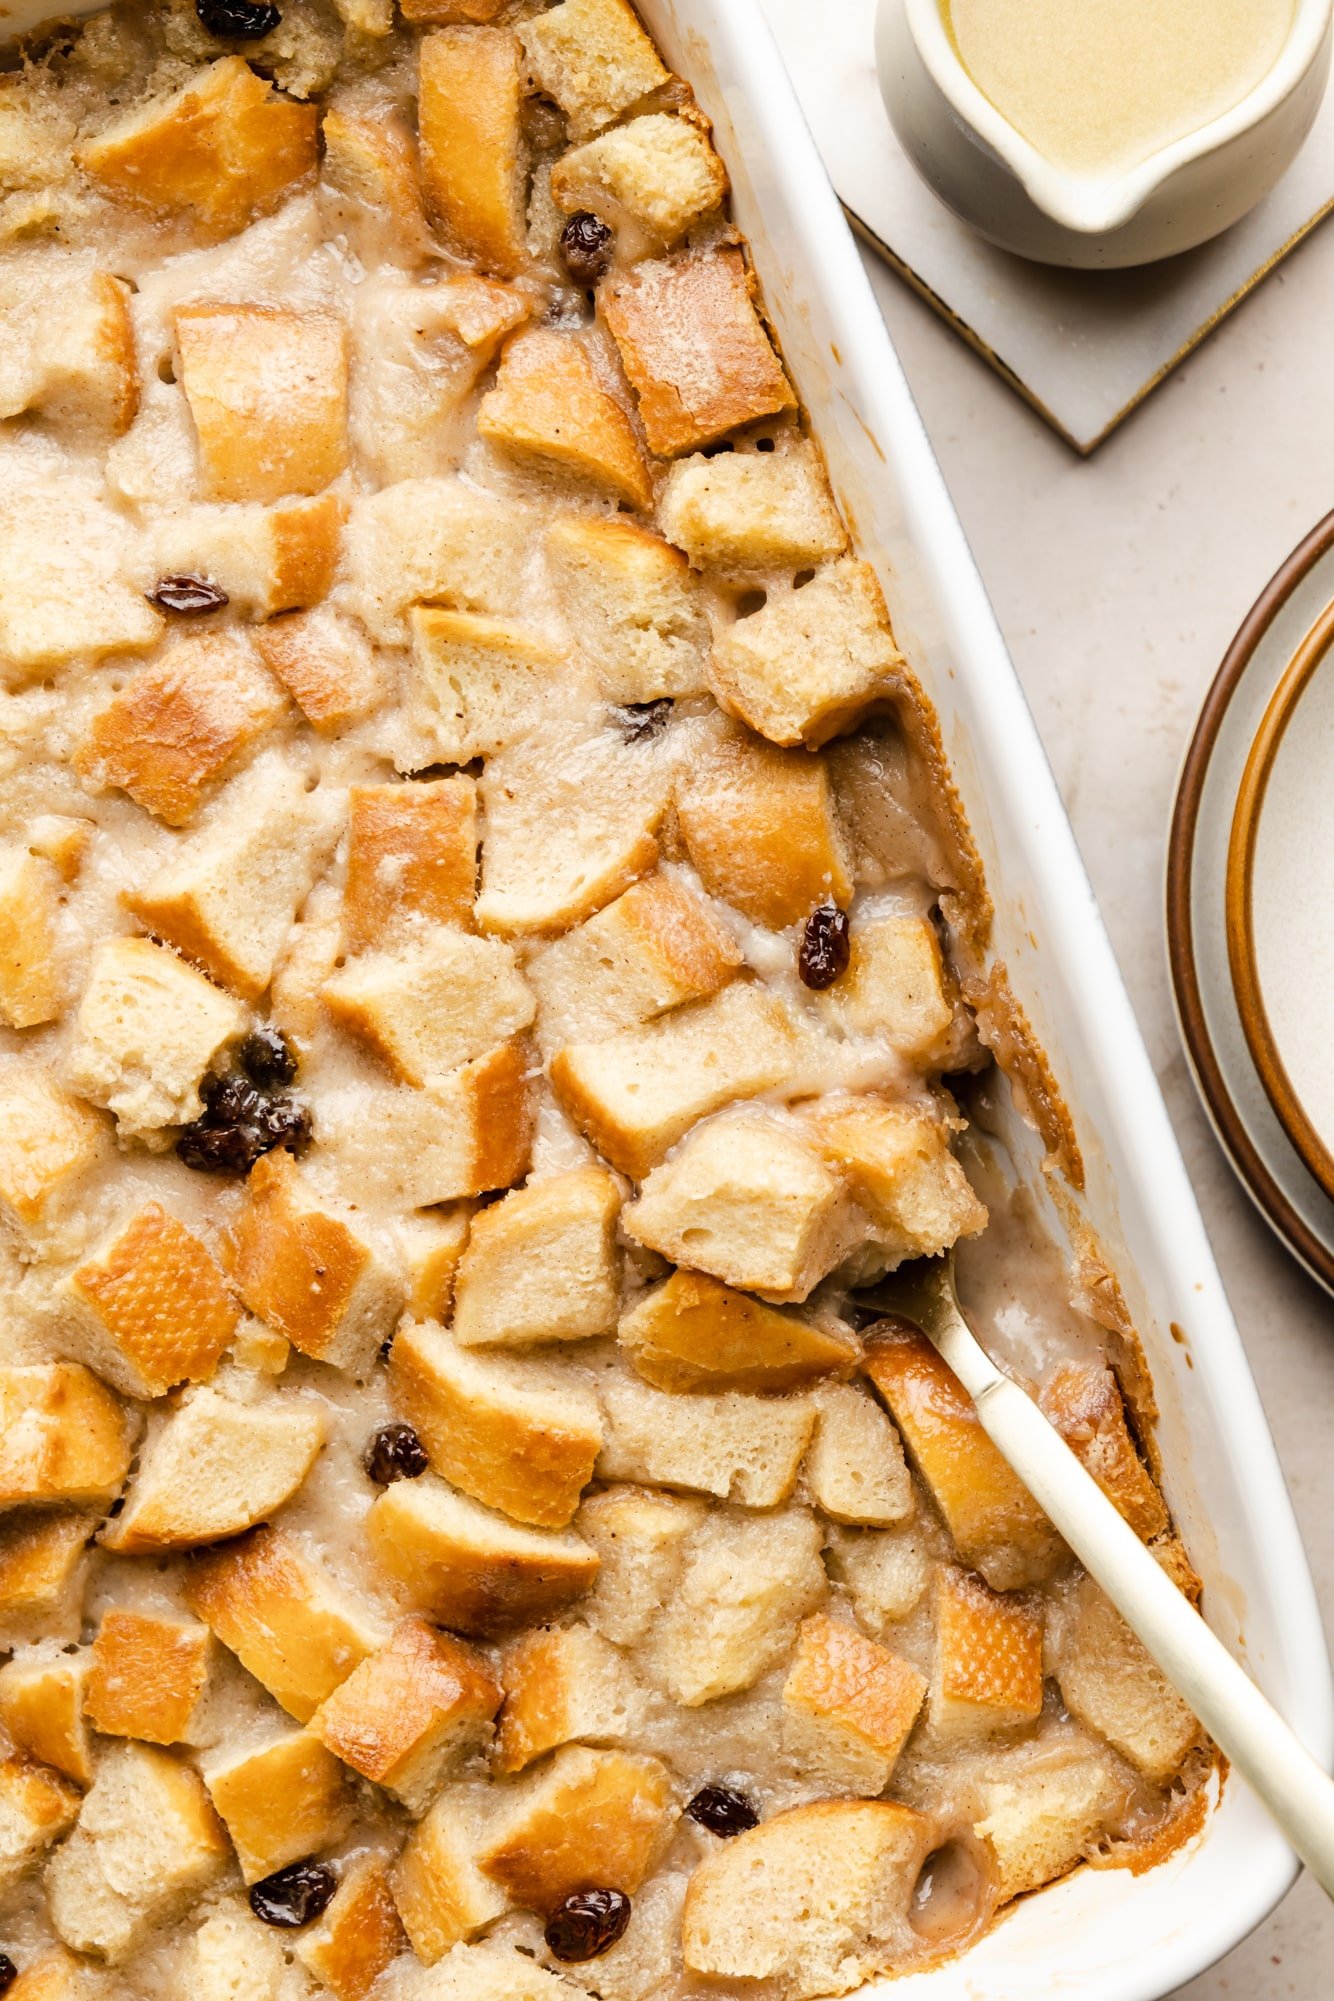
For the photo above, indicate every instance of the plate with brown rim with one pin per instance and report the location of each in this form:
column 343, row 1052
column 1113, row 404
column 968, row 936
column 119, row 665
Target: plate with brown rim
column 1250, row 890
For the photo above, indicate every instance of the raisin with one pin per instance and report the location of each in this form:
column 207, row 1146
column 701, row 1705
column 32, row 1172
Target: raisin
column 189, row 595
column 266, row 1058
column 723, row 1810
column 238, row 20
column 586, row 248
column 293, row 1896
column 9, row 1973
column 586, row 1923
column 824, row 947
column 640, row 721
column 238, row 1124
column 395, row 1453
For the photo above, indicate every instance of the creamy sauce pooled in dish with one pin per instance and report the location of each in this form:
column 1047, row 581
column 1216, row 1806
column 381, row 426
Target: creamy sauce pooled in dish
column 1098, row 85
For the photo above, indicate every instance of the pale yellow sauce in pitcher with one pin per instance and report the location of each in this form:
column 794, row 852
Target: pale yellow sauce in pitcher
column 1098, row 85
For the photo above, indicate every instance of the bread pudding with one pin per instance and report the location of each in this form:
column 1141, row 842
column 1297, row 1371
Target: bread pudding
column 494, row 979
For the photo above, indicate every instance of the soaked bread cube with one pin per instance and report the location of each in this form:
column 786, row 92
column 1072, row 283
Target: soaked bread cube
column 67, row 588
column 630, row 601
column 37, row 1807
column 987, row 1676
column 897, row 1164
column 640, row 1537
column 31, row 974
column 518, row 1438
column 221, row 150
column 214, row 1468
column 886, row 1572
column 148, row 1029
column 148, row 1677
column 593, row 57
column 441, row 1896
column 48, row 1142
column 410, row 1714
column 564, row 1684
column 358, row 1936
column 64, row 1438
column 146, row 1845
column 432, row 1004
column 470, row 1568
column 475, row 683
column 324, row 662
column 855, row 1468
column 466, row 1136
column 267, row 389
column 411, row 855
column 585, row 1819
column 752, row 510
column 181, row 725
column 809, row 664
column 761, row 825
column 43, row 1565
column 550, row 408
column 636, row 1094
column 814, row 1900
column 370, row 158
column 437, row 541
column 1112, row 1685
column 541, row 1264
column 67, row 348
column 693, row 1333
column 283, row 1619
column 267, row 559
column 661, row 172
column 471, row 154
column 58, row 1976
column 304, row 1272
column 1041, row 1820
column 281, row 1800
column 896, row 986
column 1084, row 1402
column 694, row 347
column 848, row 1706
column 739, row 1448
column 489, row 1973
column 41, row 1710
column 431, row 1244
column 150, row 1308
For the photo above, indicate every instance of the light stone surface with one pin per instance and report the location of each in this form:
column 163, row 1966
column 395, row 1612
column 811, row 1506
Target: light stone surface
column 1119, row 581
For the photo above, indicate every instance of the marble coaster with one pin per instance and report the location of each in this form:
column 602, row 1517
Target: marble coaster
column 1084, row 348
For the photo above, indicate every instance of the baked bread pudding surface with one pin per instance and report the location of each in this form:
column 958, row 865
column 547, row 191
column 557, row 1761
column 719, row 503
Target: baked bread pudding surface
column 493, row 974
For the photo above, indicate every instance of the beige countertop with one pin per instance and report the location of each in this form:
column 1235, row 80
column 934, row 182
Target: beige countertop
column 1119, row 581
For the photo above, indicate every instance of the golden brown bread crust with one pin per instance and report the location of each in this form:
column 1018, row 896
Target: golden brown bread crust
column 422, row 1687
column 147, row 1676
column 468, row 112
column 162, row 1299
column 411, row 853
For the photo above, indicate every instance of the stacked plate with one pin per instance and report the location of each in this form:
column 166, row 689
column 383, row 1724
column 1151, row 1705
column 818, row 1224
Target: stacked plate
column 1250, row 903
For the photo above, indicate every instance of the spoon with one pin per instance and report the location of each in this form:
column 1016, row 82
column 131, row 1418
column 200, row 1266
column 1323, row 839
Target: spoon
column 1242, row 1722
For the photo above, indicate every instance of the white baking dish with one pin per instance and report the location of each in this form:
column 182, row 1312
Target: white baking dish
column 1101, row 1935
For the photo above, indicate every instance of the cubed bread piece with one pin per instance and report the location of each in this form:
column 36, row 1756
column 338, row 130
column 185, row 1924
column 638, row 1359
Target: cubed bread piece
column 266, row 559
column 470, row 1568
column 431, row 1245
column 848, row 1706
column 855, row 1468
column 512, row 1434
column 67, row 581
column 146, row 1845
column 64, row 1438
column 61, row 839
column 637, row 1093
column 661, row 172
column 810, row 663
column 411, row 859
column 746, row 1583
column 324, row 662
column 1112, row 1685
column 469, row 1135
column 358, row 1936
column 267, row 390
column 691, row 1333
column 468, row 105
column 694, row 348
column 897, row 1164
column 41, row 1710
column 654, row 948
column 233, row 1956
column 752, row 510
column 541, row 1264
column 747, row 1200
column 442, row 13
column 585, row 1820
column 886, row 1572
column 281, row 1801
column 486, row 1972
column 67, row 348
column 304, row 1272
column 563, row 1685
column 895, row 986
column 59, row 1976
column 436, row 541
column 640, row 1537
column 283, row 1619
column 593, row 57
column 761, row 825
column 997, row 1526
column 1083, row 1401
column 221, row 150
column 148, row 1029
column 572, row 815
column 441, row 1895
column 550, row 408
column 43, row 1566
column 31, row 974
column 48, row 1142
column 148, row 1677
column 150, row 1308
column 227, row 899
column 815, row 1900
column 410, row 1714
column 737, row 1447
column 217, row 1467
column 370, row 158
column 987, row 1676
column 1039, row 1822
column 433, row 1003
column 630, row 601
column 37, row 1806
column 181, row 725
column 475, row 683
